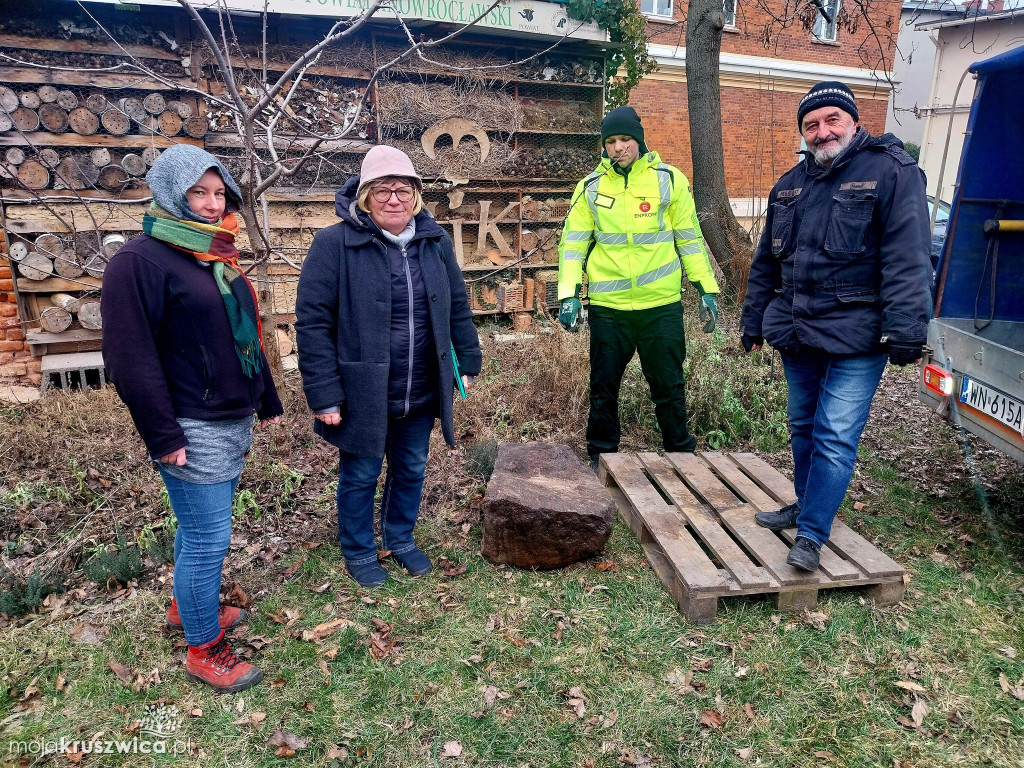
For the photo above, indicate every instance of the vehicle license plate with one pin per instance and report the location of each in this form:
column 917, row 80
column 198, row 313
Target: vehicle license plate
column 993, row 403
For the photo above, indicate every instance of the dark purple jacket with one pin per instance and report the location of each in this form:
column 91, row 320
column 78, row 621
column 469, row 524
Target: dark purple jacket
column 167, row 346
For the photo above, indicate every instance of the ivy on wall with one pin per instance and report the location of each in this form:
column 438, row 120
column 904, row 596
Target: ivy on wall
column 626, row 25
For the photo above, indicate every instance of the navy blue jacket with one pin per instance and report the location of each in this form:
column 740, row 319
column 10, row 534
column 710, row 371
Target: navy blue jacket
column 412, row 377
column 343, row 324
column 167, row 345
column 843, row 261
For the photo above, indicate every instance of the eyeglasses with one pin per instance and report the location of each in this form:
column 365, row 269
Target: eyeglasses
column 383, row 195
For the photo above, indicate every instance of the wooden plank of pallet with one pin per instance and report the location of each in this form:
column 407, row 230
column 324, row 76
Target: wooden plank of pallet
column 832, row 564
column 767, row 548
column 44, row 139
column 747, row 575
column 701, row 479
column 766, row 476
column 64, row 78
column 652, row 515
column 859, row 550
column 843, row 539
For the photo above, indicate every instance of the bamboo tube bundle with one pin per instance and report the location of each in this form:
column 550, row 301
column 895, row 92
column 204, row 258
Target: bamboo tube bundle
column 53, row 118
column 54, row 319
column 35, row 266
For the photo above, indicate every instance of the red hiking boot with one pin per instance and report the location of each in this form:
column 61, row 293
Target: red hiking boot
column 228, row 616
column 216, row 664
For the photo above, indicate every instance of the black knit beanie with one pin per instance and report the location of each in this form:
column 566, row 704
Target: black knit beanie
column 830, row 93
column 623, row 121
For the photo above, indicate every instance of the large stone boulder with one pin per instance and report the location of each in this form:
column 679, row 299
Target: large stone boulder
column 544, row 508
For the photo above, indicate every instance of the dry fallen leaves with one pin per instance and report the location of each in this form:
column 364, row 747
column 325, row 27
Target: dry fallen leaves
column 88, row 633
column 287, row 743
column 448, row 568
column 577, row 702
column 451, row 749
column 287, row 617
column 816, row 619
column 908, row 685
column 743, row 754
column 237, row 596
column 711, row 718
column 1017, row 691
column 328, row 628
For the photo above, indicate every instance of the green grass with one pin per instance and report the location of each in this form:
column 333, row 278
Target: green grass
column 488, row 658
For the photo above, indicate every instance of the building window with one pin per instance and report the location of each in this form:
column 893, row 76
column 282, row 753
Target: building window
column 823, row 30
column 662, row 8
column 729, row 11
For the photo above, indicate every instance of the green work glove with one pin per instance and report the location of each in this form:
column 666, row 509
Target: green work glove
column 570, row 314
column 707, row 310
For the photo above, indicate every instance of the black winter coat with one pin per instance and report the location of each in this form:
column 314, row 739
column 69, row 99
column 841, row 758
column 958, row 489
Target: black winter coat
column 167, row 346
column 843, row 261
column 343, row 324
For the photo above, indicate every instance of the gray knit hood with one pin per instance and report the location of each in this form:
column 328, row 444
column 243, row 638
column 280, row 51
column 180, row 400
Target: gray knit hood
column 176, row 170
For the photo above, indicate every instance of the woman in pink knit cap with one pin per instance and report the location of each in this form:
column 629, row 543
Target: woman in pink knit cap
column 381, row 303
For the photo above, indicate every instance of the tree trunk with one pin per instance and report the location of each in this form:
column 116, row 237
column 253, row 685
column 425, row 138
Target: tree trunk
column 728, row 241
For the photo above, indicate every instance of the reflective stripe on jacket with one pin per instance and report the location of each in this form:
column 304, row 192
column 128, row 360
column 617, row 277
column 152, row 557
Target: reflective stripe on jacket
column 636, row 229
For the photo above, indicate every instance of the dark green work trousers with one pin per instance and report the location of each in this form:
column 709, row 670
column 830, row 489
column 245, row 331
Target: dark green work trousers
column 657, row 334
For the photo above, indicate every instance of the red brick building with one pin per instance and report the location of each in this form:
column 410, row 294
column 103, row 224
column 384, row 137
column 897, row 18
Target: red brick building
column 762, row 83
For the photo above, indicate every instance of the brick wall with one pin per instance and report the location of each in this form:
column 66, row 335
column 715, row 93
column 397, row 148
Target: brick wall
column 851, row 49
column 15, row 359
column 758, row 130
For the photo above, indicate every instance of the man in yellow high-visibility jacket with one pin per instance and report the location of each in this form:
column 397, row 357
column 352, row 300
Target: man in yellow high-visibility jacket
column 633, row 224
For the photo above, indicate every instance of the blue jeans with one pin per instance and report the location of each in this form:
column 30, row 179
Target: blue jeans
column 829, row 401
column 200, row 546
column 405, row 448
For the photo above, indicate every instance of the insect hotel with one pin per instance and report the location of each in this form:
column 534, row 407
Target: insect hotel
column 501, row 122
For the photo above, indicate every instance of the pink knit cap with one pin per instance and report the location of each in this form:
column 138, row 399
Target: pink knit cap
column 382, row 161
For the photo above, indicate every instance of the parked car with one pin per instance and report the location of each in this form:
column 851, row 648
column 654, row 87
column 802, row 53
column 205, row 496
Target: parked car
column 939, row 230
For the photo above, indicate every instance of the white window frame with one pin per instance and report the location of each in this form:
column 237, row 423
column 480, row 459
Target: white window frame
column 822, row 31
column 654, row 13
column 730, row 15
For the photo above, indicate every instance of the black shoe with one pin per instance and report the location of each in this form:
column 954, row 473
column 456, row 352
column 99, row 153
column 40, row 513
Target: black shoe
column 594, row 461
column 415, row 562
column 779, row 521
column 369, row 575
column 804, row 554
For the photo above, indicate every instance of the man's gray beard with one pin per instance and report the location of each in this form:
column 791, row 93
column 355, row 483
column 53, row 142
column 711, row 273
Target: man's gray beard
column 825, row 155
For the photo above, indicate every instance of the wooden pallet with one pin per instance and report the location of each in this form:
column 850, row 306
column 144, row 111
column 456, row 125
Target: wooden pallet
column 694, row 516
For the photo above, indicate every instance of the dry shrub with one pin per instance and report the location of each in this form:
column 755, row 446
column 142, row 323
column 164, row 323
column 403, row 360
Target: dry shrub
column 408, row 109
column 470, row 63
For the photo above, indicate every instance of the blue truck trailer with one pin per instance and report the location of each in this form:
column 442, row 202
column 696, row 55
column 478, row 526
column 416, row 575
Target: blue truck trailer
column 974, row 360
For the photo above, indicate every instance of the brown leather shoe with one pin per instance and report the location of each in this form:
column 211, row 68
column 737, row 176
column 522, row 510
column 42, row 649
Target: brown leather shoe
column 227, row 617
column 216, row 664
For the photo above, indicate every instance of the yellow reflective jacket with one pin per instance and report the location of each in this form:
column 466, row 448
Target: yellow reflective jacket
column 632, row 233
